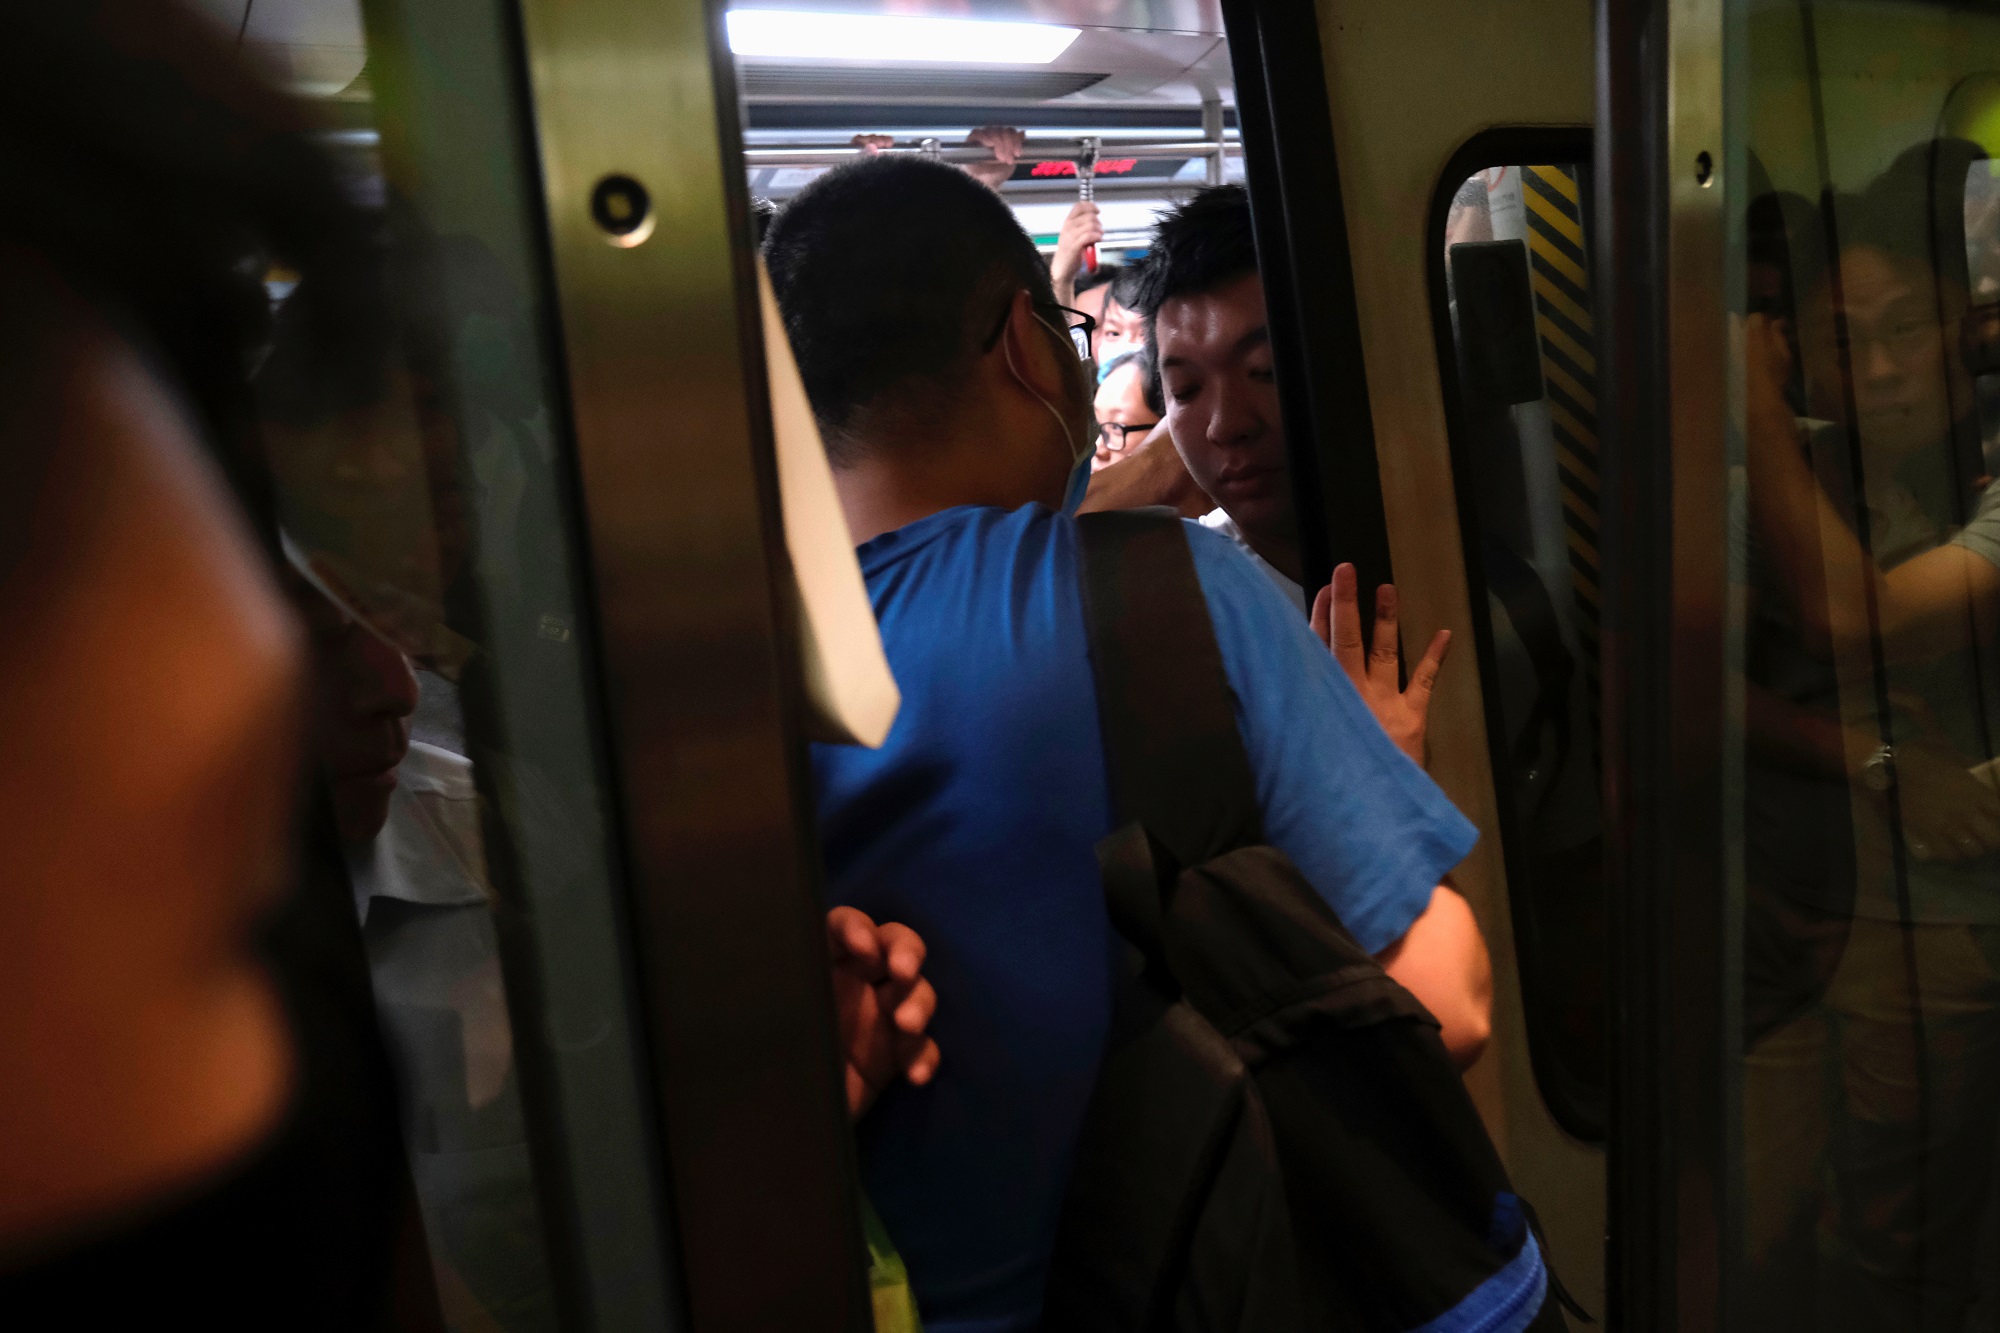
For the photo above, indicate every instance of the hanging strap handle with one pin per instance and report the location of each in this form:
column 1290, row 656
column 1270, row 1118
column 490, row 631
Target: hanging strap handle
column 1168, row 720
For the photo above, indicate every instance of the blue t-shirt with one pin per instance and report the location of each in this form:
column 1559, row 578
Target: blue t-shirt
column 976, row 825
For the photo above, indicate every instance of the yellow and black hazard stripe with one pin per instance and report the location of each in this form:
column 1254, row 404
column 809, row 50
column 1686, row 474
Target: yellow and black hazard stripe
column 1560, row 273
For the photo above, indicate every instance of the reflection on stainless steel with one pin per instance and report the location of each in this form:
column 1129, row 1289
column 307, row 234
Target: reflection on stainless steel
column 1696, row 367
column 674, row 460
column 424, row 481
column 1202, row 16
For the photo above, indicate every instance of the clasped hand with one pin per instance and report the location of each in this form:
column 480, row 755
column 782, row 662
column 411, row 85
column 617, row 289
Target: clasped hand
column 883, row 1002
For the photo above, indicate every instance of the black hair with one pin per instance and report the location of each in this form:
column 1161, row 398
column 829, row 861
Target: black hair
column 1197, row 246
column 1148, row 366
column 762, row 211
column 1912, row 213
column 1149, row 379
column 890, row 272
column 1127, row 287
column 1091, row 279
column 1782, row 231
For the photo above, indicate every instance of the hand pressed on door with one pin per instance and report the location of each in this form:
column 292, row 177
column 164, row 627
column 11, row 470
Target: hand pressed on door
column 1403, row 713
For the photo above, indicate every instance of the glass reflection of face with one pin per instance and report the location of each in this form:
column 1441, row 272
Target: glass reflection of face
column 1121, row 402
column 1222, row 401
column 364, row 694
column 1905, row 373
column 373, row 492
column 1118, row 332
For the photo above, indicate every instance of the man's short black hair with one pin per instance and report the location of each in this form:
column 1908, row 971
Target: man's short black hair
column 1197, row 246
column 1127, row 287
column 1092, row 278
column 890, row 272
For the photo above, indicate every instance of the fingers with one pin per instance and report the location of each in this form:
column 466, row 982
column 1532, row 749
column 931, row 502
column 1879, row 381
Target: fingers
column 1424, row 677
column 853, row 942
column 1322, row 616
column 1344, row 632
column 1004, row 141
column 922, row 1064
column 903, row 950
column 914, row 1013
column 1386, row 652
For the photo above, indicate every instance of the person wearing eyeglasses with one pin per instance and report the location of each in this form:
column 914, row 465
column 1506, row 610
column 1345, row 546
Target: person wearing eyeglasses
column 1127, row 409
column 954, row 396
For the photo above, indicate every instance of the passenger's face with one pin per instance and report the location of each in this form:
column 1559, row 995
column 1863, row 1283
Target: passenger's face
column 364, row 694
column 1222, row 401
column 1092, row 303
column 1900, row 361
column 149, row 696
column 1121, row 401
column 1118, row 331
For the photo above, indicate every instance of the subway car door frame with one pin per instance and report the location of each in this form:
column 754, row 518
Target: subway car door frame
column 1659, row 154
column 1300, row 218
column 650, row 249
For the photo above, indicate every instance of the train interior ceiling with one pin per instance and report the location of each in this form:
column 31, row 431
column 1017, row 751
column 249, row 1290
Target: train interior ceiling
column 1152, row 101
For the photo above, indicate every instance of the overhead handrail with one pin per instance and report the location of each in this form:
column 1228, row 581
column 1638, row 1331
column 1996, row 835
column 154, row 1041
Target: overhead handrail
column 1035, row 150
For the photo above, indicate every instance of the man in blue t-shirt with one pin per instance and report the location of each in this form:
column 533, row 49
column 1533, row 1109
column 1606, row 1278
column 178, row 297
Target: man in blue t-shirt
column 956, row 412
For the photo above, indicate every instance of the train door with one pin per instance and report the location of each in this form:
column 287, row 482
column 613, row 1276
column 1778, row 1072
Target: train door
column 1359, row 126
column 1802, row 676
column 553, row 488
column 1463, row 142
column 523, row 468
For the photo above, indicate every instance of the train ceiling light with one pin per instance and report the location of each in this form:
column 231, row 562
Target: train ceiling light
column 803, row 35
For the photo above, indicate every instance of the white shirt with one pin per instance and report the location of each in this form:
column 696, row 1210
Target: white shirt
column 1218, row 520
column 430, row 850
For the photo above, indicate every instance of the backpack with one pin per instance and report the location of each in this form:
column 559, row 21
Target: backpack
column 1277, row 1139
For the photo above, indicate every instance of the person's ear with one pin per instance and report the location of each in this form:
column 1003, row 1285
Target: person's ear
column 1029, row 346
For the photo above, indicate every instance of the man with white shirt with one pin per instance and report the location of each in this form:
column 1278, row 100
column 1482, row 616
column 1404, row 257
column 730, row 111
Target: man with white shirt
column 390, row 738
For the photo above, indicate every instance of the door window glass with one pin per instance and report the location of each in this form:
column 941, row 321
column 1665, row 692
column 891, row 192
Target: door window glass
column 410, row 404
column 1522, row 354
column 1865, row 555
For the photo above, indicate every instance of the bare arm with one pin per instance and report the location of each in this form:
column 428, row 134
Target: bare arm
column 1442, row 960
column 1080, row 230
column 1152, row 474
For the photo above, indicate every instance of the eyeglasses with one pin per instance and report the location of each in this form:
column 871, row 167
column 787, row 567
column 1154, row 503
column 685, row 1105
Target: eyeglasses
column 1117, row 437
column 1080, row 327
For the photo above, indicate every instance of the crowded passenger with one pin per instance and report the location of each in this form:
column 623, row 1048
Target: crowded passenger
column 1201, row 298
column 1872, row 967
column 957, row 414
column 1127, row 406
column 1121, row 328
column 198, row 1122
column 1093, row 289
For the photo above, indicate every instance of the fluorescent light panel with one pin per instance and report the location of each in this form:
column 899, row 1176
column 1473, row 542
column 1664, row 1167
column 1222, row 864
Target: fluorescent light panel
column 803, row 35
